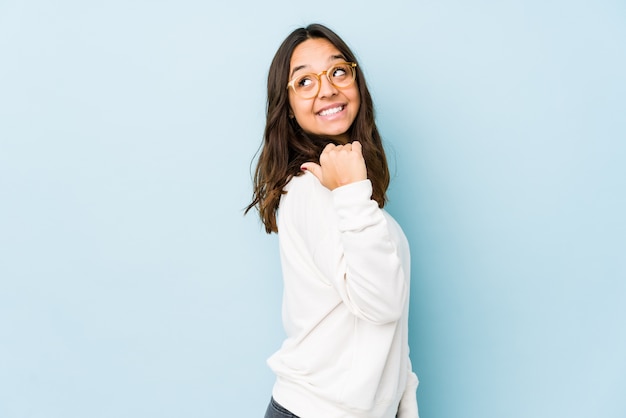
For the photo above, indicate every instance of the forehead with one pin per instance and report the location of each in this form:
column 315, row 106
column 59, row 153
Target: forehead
column 314, row 54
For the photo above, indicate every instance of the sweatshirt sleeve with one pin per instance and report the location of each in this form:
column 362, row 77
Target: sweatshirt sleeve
column 369, row 276
column 351, row 245
column 408, row 403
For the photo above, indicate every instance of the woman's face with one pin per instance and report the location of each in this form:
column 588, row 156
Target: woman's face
column 333, row 110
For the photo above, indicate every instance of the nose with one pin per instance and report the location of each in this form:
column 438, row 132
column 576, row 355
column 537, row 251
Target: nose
column 326, row 87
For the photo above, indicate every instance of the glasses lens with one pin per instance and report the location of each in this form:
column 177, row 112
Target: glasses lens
column 341, row 75
column 306, row 85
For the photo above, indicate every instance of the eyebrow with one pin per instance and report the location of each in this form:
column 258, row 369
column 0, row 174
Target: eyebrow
column 331, row 58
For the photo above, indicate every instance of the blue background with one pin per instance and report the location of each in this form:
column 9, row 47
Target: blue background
column 131, row 284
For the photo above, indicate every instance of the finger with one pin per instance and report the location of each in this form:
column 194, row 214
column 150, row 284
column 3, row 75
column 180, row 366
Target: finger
column 314, row 168
column 329, row 147
column 356, row 146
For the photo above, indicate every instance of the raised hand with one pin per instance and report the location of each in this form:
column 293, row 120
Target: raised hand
column 339, row 165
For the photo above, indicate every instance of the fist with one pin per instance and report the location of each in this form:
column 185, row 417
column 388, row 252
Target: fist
column 339, row 165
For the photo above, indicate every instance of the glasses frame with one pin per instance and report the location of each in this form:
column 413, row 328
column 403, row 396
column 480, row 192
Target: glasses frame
column 352, row 66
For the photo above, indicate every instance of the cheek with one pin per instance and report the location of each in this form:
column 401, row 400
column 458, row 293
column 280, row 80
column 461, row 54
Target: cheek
column 355, row 98
column 357, row 103
column 297, row 108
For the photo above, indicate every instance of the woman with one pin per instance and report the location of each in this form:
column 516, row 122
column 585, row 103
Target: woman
column 345, row 261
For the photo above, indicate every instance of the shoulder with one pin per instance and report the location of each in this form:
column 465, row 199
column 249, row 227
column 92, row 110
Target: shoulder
column 305, row 203
column 306, row 179
column 304, row 189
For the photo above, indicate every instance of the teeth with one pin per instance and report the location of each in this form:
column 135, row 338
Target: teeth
column 331, row 111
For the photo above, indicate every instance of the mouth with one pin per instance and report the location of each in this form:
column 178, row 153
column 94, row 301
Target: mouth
column 331, row 110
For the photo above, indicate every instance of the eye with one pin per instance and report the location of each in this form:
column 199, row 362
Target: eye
column 339, row 71
column 304, row 82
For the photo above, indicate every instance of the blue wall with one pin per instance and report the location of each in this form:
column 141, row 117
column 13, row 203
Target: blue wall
column 131, row 285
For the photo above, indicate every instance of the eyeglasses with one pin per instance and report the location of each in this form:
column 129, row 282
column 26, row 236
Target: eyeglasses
column 340, row 75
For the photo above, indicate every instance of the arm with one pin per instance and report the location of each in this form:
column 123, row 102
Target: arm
column 408, row 404
column 366, row 270
column 369, row 274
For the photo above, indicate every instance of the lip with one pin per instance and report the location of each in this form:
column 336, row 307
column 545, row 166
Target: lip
column 332, row 106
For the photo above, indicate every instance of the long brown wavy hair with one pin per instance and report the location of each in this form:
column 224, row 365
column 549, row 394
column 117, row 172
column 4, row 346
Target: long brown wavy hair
column 286, row 146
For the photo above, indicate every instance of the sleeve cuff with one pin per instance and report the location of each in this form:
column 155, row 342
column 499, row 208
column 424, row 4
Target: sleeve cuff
column 355, row 208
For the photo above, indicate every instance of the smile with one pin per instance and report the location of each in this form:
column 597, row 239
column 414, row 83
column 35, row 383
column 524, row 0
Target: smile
column 331, row 111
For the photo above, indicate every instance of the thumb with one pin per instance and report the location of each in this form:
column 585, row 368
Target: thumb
column 314, row 168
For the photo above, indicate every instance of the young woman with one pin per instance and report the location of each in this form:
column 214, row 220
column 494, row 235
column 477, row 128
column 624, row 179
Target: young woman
column 321, row 183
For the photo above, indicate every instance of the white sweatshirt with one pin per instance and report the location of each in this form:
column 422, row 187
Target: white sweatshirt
column 346, row 270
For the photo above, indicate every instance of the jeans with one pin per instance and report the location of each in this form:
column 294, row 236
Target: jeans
column 275, row 410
